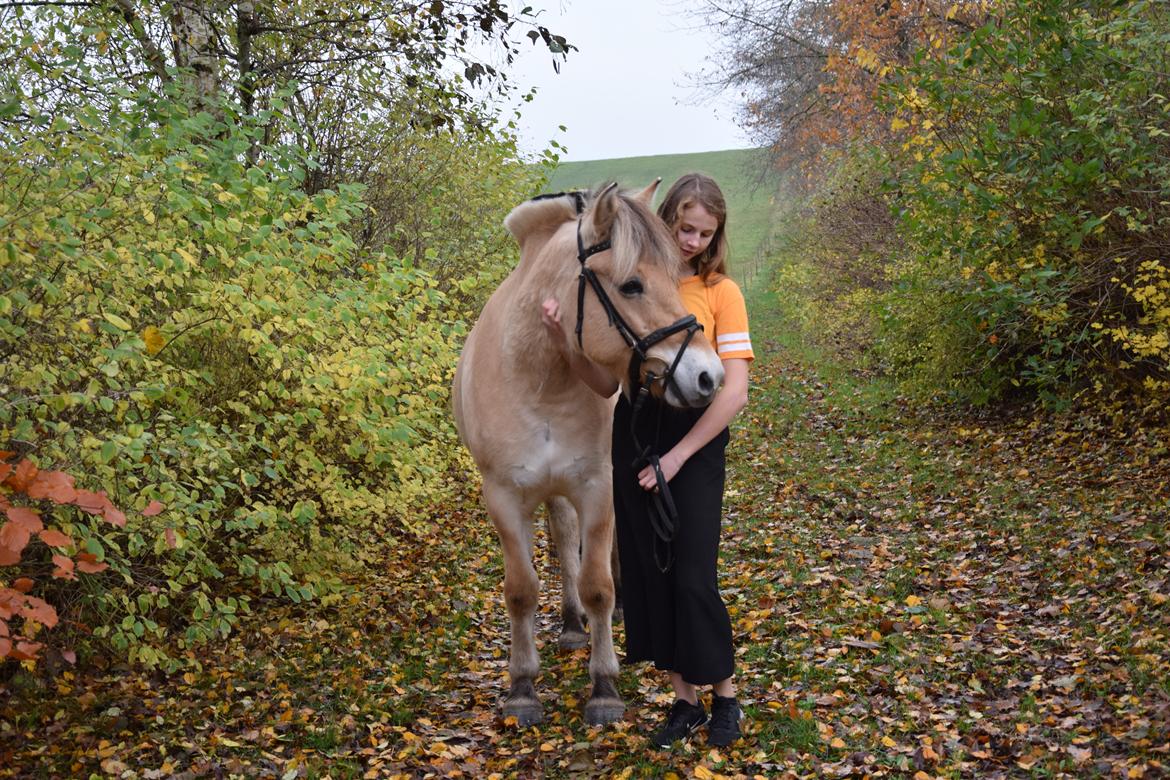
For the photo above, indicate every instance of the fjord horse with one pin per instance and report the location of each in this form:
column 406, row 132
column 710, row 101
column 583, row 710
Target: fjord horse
column 540, row 435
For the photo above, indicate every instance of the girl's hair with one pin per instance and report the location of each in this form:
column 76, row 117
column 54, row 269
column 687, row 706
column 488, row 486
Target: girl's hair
column 697, row 189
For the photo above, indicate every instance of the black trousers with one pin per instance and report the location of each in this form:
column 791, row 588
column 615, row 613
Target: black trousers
column 676, row 619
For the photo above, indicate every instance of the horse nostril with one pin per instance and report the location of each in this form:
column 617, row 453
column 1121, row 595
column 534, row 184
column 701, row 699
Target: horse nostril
column 706, row 384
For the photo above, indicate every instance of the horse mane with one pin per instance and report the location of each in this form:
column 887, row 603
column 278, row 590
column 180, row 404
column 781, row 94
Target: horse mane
column 541, row 215
column 639, row 234
column 636, row 231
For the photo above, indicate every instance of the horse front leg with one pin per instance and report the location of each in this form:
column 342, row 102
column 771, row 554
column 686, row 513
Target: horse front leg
column 615, row 568
column 595, row 513
column 562, row 522
column 512, row 517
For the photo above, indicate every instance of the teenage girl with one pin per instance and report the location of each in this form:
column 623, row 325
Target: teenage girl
column 676, row 618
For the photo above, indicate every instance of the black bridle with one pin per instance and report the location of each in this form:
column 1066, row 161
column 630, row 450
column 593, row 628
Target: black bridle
column 663, row 512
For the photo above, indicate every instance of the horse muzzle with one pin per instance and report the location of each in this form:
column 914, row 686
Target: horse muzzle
column 697, row 377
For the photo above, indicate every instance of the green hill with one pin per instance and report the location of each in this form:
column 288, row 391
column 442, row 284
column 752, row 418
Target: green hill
column 743, row 174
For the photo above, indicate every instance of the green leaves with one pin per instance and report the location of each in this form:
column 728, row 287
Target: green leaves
column 1019, row 187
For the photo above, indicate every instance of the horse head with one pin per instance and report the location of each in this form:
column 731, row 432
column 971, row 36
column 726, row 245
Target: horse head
column 636, row 295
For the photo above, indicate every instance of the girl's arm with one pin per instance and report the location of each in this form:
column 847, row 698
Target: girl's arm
column 594, row 376
column 730, row 399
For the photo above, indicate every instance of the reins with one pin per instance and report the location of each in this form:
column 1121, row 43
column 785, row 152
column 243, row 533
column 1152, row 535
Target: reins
column 662, row 510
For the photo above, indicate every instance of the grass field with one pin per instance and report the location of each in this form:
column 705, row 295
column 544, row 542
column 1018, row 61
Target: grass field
column 743, row 175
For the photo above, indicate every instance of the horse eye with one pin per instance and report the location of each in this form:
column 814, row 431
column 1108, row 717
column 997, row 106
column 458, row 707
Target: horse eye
column 631, row 288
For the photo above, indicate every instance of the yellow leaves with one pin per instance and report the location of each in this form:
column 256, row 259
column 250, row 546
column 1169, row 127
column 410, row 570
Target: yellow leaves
column 913, row 601
column 117, row 321
column 154, row 340
column 898, row 124
column 867, row 59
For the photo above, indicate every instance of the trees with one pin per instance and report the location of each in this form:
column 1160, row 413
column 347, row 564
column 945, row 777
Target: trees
column 232, row 282
column 810, row 70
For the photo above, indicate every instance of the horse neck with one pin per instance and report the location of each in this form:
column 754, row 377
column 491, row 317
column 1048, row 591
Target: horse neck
column 553, row 274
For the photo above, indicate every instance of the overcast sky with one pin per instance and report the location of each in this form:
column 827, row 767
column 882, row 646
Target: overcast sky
column 626, row 92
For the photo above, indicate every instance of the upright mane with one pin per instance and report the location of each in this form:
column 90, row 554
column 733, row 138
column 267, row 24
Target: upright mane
column 542, row 215
column 638, row 235
column 635, row 231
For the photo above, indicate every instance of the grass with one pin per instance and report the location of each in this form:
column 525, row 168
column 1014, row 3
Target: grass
column 752, row 196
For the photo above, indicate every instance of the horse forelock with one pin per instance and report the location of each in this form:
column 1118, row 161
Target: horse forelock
column 638, row 236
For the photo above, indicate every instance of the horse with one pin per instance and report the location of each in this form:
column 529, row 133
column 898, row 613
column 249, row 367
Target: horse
column 539, row 435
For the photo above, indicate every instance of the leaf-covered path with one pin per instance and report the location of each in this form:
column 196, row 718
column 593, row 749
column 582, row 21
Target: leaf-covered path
column 913, row 596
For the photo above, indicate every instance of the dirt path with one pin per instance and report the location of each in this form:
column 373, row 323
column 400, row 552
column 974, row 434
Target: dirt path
column 913, row 596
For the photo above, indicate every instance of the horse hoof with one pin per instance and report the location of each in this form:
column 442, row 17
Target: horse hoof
column 599, row 712
column 572, row 640
column 526, row 713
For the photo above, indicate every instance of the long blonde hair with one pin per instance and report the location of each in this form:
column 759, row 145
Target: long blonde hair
column 698, row 189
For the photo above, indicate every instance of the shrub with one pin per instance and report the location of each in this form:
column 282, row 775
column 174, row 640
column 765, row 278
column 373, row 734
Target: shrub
column 178, row 326
column 1034, row 189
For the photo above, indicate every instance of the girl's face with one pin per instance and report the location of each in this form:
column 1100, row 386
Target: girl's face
column 696, row 228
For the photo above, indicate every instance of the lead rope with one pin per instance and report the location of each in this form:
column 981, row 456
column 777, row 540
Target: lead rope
column 660, row 506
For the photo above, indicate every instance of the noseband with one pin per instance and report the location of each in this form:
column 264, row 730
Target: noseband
column 663, row 514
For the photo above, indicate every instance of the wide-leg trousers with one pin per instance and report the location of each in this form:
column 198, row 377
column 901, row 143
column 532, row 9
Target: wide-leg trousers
column 676, row 619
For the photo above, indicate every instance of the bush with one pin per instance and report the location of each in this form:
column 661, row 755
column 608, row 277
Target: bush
column 177, row 326
column 833, row 247
column 1033, row 186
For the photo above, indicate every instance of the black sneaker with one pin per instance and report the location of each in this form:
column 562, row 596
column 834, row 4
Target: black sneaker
column 724, row 728
column 682, row 721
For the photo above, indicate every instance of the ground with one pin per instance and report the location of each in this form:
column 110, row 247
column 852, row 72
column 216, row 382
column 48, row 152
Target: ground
column 916, row 592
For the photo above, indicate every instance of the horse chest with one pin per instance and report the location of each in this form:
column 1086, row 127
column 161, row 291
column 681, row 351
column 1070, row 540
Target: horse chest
column 550, row 456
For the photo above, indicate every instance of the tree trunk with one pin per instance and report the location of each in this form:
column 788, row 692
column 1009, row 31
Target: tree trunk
column 195, row 51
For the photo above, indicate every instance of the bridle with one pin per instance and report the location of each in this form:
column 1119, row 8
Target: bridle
column 663, row 514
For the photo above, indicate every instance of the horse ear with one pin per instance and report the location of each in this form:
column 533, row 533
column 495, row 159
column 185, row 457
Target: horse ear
column 646, row 196
column 604, row 211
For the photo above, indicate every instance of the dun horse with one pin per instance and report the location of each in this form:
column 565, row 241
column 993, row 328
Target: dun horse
column 539, row 435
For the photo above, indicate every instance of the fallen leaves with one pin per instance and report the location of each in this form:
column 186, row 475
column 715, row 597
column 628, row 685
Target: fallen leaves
column 904, row 605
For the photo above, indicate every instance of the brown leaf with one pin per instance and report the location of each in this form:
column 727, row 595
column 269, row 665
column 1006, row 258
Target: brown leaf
column 40, row 611
column 25, row 651
column 153, row 508
column 56, row 486
column 91, row 502
column 25, row 471
column 64, row 570
column 114, row 516
column 14, row 538
column 88, row 563
column 55, row 538
column 25, row 517
column 22, row 584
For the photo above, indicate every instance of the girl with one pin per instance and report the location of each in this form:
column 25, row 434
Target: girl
column 676, row 618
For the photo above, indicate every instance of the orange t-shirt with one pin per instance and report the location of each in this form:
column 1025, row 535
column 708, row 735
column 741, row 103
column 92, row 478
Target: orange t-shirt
column 721, row 311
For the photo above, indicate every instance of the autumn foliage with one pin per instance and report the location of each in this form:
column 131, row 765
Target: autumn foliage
column 987, row 193
column 21, row 481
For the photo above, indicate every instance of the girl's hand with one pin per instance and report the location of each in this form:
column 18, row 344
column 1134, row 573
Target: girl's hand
column 550, row 317
column 670, row 463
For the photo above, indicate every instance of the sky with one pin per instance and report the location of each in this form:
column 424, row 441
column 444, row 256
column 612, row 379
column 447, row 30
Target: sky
column 629, row 89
